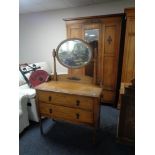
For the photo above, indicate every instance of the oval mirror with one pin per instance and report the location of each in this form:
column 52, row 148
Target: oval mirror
column 73, row 53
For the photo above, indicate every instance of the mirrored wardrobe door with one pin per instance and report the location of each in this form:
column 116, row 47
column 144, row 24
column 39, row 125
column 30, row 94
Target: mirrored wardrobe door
column 92, row 36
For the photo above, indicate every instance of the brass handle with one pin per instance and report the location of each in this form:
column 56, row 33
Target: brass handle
column 49, row 98
column 77, row 102
column 50, row 110
column 77, row 115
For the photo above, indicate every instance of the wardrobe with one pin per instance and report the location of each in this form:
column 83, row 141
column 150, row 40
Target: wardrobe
column 103, row 33
column 126, row 126
column 128, row 68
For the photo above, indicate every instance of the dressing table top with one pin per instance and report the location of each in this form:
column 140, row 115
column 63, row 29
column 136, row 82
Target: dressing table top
column 68, row 87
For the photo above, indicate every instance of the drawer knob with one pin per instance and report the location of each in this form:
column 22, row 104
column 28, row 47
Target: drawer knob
column 77, row 115
column 77, row 102
column 49, row 98
column 50, row 110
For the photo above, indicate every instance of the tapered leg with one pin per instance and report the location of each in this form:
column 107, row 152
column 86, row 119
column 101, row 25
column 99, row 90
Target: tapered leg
column 41, row 127
column 95, row 133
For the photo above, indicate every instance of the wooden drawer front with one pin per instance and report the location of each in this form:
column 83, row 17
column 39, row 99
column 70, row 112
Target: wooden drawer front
column 66, row 113
column 45, row 109
column 74, row 101
column 45, row 96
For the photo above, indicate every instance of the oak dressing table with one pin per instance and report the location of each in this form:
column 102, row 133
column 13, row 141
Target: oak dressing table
column 74, row 101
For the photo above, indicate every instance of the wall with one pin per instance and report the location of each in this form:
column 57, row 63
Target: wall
column 40, row 33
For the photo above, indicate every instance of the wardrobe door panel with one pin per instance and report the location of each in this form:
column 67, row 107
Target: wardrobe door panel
column 128, row 66
column 111, row 30
column 108, row 73
column 75, row 31
column 108, row 96
column 110, row 39
column 129, row 52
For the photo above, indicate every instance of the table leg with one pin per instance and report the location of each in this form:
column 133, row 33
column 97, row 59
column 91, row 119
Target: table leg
column 41, row 127
column 96, row 131
column 94, row 135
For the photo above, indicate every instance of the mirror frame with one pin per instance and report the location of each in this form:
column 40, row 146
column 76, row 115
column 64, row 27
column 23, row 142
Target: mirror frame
column 72, row 39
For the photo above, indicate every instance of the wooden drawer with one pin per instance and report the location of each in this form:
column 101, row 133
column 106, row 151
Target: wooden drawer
column 65, row 113
column 73, row 101
column 45, row 109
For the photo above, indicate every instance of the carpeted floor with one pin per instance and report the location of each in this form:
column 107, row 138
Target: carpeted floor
column 67, row 139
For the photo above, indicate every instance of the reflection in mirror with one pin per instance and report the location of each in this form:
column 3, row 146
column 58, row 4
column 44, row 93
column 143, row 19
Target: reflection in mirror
column 92, row 37
column 74, row 53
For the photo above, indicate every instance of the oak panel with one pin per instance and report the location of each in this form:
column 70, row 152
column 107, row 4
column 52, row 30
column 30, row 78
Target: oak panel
column 75, row 31
column 108, row 96
column 128, row 71
column 110, row 39
column 109, row 73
